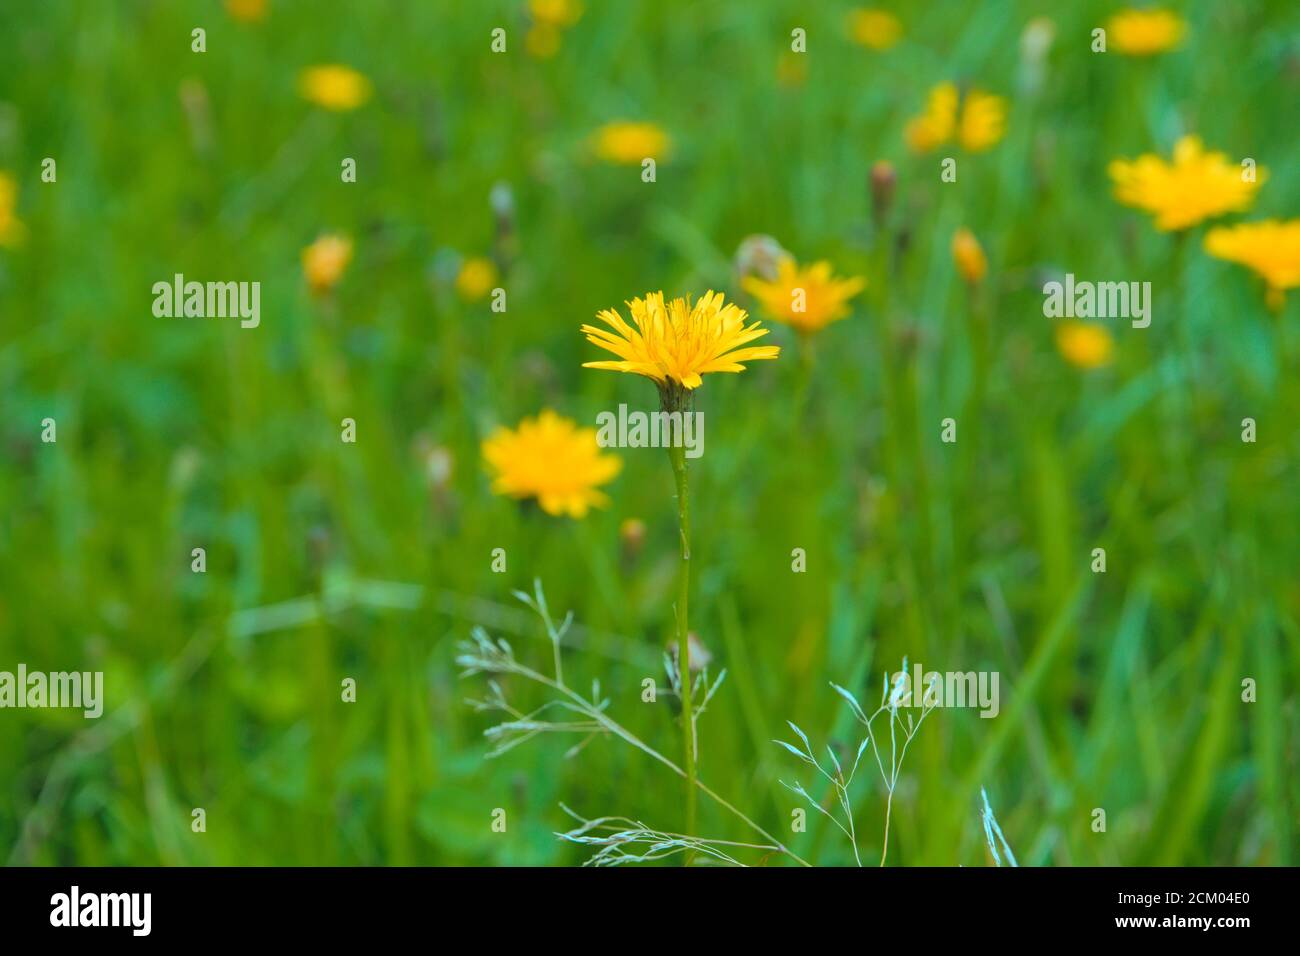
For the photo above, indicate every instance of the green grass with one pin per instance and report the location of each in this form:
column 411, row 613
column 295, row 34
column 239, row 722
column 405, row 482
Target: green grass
column 1120, row 691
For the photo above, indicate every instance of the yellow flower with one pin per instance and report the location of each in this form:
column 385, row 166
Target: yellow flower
column 334, row 87
column 553, row 460
column 630, row 143
column 249, row 11
column 877, row 29
column 1270, row 248
column 1145, row 32
column 1196, row 186
column 1085, row 344
column 969, row 256
column 809, row 299
column 324, row 261
column 677, row 342
column 476, row 278
column 11, row 228
column 977, row 125
column 555, row 13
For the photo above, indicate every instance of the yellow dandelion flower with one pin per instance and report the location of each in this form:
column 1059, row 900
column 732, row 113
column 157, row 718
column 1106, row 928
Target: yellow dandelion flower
column 631, row 143
column 976, row 121
column 11, row 228
column 553, row 460
column 1196, row 186
column 476, row 278
column 676, row 341
column 809, row 299
column 324, row 261
column 1085, row 344
column 968, row 254
column 1270, row 248
column 555, row 13
column 334, row 87
column 1145, row 32
column 877, row 29
column 250, row 11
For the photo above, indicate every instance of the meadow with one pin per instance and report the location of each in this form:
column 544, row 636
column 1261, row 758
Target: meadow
column 839, row 525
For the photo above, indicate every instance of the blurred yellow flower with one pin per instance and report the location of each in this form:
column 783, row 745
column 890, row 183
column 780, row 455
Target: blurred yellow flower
column 324, row 261
column 1270, row 248
column 476, row 278
column 249, row 11
column 555, row 13
column 808, row 299
column 334, row 87
column 553, row 460
column 1196, row 186
column 11, row 228
column 976, row 121
column 628, row 142
column 1144, row 32
column 1085, row 344
column 676, row 342
column 791, row 68
column 968, row 254
column 877, row 29
column 542, row 41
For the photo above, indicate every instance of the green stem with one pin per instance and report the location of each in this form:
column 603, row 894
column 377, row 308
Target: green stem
column 677, row 399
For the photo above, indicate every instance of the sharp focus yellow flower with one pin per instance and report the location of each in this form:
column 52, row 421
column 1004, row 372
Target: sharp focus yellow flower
column 324, row 261
column 11, row 228
column 877, row 29
column 553, row 460
column 809, row 299
column 1085, row 344
column 631, row 143
column 249, row 11
column 476, row 278
column 968, row 254
column 676, row 341
column 555, row 13
column 976, row 121
column 1145, row 32
column 1196, row 186
column 334, row 87
column 1270, row 248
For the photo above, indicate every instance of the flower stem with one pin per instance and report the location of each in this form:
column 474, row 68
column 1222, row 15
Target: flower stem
column 675, row 401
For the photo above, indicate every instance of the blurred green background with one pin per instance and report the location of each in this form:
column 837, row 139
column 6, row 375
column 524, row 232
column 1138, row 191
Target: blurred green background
column 1120, row 691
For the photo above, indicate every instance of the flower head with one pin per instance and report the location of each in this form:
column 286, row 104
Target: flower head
column 976, row 121
column 324, row 261
column 1145, row 32
column 555, row 13
column 809, row 298
column 475, row 278
column 630, row 143
column 676, row 341
column 553, row 460
column 1085, row 344
column 968, row 254
column 1270, row 248
column 1196, row 186
column 11, row 228
column 877, row 29
column 334, row 87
